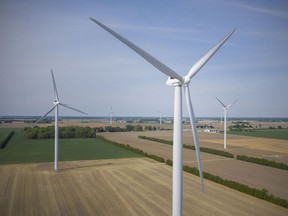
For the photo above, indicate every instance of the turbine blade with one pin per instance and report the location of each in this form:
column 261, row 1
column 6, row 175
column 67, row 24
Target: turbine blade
column 194, row 131
column 54, row 86
column 45, row 114
column 201, row 62
column 221, row 102
column 156, row 63
column 231, row 104
column 65, row 105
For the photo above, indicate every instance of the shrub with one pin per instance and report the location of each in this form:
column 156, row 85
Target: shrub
column 262, row 161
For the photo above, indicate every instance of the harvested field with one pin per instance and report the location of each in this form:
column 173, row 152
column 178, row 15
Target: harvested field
column 271, row 149
column 253, row 175
column 116, row 187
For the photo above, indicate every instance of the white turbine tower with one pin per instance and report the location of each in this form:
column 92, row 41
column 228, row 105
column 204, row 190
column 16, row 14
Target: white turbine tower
column 110, row 115
column 56, row 104
column 177, row 81
column 225, row 108
column 160, row 117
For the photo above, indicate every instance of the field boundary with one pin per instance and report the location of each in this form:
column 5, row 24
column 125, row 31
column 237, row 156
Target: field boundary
column 202, row 149
column 258, row 193
column 259, row 161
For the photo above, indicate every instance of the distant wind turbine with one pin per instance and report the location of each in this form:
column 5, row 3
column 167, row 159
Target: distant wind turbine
column 56, row 104
column 160, row 117
column 110, row 115
column 225, row 108
column 178, row 82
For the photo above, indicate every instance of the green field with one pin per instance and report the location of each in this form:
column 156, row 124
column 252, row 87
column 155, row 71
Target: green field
column 21, row 150
column 4, row 132
column 265, row 133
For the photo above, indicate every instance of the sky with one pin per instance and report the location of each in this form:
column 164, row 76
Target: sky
column 94, row 71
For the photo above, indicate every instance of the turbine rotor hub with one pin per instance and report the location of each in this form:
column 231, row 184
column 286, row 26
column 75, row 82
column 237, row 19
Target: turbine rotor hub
column 186, row 80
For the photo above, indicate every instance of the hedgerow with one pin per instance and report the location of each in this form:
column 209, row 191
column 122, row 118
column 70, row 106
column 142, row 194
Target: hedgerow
column 258, row 193
column 64, row 132
column 136, row 150
column 263, row 162
column 202, row 149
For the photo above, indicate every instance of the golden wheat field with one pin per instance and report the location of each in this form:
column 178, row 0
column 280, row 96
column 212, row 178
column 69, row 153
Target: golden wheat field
column 116, row 187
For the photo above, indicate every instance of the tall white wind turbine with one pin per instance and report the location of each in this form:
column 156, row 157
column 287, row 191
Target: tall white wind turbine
column 225, row 108
column 160, row 117
column 56, row 108
column 110, row 115
column 178, row 82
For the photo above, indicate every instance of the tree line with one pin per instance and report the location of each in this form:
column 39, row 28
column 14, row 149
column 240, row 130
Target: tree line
column 64, row 132
column 258, row 193
column 262, row 161
column 202, row 149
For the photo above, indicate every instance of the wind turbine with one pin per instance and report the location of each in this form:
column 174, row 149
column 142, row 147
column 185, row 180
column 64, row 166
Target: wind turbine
column 225, row 108
column 160, row 117
column 178, row 82
column 56, row 108
column 110, row 115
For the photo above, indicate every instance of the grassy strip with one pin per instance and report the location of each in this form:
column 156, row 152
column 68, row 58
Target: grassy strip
column 261, row 194
column 202, row 149
column 6, row 139
column 262, row 161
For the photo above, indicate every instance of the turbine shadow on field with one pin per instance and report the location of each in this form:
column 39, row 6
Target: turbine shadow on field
column 82, row 167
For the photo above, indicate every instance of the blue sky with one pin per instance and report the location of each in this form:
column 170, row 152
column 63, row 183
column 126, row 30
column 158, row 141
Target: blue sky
column 95, row 71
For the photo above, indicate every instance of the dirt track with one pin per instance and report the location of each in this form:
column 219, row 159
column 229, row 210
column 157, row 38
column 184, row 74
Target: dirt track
column 253, row 175
column 116, row 187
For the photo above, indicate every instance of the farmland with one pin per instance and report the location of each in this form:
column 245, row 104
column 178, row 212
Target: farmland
column 266, row 133
column 134, row 185
column 21, row 150
column 116, row 187
column 249, row 174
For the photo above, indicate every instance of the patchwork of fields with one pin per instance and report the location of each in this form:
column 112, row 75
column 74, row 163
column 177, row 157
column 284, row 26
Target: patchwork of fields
column 99, row 178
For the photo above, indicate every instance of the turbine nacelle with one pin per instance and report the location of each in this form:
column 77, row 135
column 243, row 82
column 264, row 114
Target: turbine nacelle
column 175, row 82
